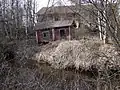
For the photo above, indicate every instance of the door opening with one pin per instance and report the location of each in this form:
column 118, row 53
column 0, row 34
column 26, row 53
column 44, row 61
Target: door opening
column 62, row 33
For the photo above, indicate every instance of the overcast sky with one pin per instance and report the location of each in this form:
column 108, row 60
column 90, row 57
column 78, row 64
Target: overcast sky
column 43, row 3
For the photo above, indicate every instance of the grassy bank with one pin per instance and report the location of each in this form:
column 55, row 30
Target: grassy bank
column 27, row 74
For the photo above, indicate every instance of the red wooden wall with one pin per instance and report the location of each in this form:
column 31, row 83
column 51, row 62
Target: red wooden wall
column 39, row 37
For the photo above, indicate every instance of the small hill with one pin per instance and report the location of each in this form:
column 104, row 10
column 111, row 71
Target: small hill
column 82, row 54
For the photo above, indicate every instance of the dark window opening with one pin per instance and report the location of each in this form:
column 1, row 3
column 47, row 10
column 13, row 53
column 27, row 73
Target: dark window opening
column 62, row 33
column 44, row 34
column 57, row 19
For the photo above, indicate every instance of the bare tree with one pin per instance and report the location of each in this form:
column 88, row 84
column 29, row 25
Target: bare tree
column 107, row 14
column 15, row 15
column 29, row 6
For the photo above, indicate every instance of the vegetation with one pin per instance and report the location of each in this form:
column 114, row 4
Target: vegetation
column 17, row 18
column 85, row 64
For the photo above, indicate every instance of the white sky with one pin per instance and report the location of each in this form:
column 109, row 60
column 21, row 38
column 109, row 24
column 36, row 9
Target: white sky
column 43, row 3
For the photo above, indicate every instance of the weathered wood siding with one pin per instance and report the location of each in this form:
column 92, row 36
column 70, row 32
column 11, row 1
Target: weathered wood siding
column 38, row 36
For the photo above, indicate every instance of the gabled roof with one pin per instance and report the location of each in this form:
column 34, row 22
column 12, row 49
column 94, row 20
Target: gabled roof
column 56, row 9
column 53, row 24
column 67, row 9
column 63, row 9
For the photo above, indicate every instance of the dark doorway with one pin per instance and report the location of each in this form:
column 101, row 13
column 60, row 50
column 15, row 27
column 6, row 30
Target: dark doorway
column 62, row 33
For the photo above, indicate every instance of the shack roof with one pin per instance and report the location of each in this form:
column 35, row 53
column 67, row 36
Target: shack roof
column 63, row 9
column 53, row 24
column 56, row 9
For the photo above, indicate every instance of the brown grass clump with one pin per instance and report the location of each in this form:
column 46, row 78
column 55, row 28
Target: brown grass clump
column 82, row 54
column 73, row 53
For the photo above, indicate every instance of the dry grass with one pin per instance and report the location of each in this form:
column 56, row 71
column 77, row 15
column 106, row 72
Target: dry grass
column 84, row 54
column 27, row 74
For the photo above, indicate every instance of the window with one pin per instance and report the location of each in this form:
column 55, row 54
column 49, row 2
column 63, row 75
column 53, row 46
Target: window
column 57, row 18
column 46, row 35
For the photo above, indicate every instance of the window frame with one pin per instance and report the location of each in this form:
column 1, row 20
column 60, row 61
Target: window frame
column 47, row 34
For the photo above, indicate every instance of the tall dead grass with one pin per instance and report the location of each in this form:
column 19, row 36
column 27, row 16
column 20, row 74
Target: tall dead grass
column 82, row 54
column 27, row 74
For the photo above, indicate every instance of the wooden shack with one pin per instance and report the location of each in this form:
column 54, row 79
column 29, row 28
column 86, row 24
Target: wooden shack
column 55, row 30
